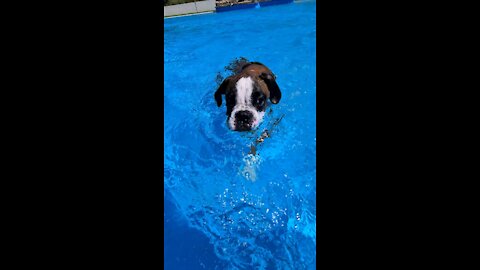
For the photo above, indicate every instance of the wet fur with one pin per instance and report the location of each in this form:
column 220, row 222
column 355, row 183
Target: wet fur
column 247, row 77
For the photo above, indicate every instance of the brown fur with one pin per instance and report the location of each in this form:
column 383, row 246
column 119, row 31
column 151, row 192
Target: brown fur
column 254, row 71
column 241, row 68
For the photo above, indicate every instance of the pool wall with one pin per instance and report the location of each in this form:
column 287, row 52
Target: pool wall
column 210, row 6
column 189, row 8
column 253, row 5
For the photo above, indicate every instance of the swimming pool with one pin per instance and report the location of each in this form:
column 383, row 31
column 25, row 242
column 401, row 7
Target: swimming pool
column 225, row 208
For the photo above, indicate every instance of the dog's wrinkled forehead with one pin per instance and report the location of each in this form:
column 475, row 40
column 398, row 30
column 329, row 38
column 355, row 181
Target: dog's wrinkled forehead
column 244, row 89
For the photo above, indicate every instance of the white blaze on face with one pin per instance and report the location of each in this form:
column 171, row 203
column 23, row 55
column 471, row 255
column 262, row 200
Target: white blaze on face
column 243, row 101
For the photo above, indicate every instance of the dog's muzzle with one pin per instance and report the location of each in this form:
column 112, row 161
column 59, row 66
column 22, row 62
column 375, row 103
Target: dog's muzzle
column 243, row 120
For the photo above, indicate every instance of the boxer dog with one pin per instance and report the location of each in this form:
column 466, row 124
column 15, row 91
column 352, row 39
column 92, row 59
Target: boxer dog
column 246, row 94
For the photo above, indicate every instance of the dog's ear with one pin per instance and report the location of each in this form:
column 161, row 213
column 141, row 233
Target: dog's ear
column 275, row 94
column 221, row 91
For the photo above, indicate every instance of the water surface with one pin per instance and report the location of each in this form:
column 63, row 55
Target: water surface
column 227, row 209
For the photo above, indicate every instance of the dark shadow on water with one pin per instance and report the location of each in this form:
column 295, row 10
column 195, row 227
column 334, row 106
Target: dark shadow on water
column 185, row 247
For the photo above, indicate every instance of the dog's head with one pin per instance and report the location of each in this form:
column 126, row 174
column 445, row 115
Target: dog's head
column 246, row 94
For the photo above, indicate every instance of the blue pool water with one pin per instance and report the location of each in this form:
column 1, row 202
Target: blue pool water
column 225, row 208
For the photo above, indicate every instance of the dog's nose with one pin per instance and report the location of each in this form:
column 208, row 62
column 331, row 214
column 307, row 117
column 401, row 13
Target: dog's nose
column 244, row 116
column 243, row 120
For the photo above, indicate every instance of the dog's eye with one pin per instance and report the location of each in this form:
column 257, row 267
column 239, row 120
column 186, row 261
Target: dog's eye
column 260, row 101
